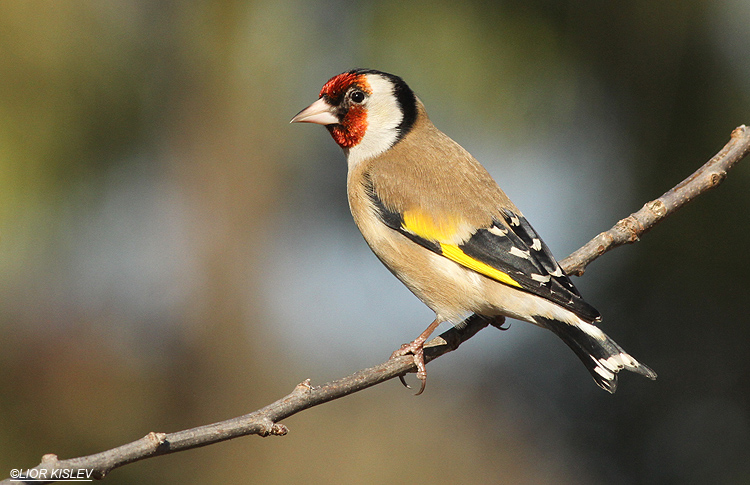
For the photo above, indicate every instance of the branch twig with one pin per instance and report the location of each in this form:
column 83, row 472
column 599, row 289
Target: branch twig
column 265, row 421
column 630, row 229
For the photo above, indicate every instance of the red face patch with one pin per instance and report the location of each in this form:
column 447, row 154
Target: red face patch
column 352, row 128
column 337, row 85
column 353, row 124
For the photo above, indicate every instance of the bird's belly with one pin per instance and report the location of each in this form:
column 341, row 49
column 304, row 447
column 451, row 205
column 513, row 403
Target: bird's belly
column 450, row 290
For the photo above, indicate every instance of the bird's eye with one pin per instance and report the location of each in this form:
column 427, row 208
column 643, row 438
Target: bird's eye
column 357, row 96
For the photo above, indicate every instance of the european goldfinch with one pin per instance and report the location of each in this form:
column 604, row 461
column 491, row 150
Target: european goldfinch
column 439, row 222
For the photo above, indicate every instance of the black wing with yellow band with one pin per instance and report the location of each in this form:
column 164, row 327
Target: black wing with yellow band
column 511, row 253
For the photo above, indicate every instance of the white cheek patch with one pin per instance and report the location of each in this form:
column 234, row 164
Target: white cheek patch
column 383, row 117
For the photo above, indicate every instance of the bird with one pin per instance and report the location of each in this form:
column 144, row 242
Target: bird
column 440, row 223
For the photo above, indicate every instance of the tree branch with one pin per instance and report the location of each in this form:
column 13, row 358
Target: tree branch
column 630, row 229
column 265, row 421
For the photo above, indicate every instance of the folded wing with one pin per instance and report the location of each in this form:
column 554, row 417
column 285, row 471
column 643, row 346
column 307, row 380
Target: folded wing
column 509, row 251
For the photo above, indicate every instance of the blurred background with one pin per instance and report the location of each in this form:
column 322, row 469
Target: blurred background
column 174, row 253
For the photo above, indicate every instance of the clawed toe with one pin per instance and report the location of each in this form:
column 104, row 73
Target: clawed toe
column 417, row 349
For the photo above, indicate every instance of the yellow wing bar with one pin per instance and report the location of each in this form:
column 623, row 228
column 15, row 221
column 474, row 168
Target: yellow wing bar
column 454, row 253
column 424, row 226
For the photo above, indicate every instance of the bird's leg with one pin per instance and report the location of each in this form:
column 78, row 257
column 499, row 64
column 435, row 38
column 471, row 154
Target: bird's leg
column 416, row 347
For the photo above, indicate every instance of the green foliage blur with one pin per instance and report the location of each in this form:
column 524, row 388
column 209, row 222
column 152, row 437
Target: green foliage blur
column 149, row 178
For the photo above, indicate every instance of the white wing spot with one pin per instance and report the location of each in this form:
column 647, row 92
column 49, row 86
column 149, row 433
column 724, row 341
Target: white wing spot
column 520, row 253
column 557, row 273
column 514, row 221
column 536, row 244
column 629, row 361
column 540, row 278
column 604, row 372
column 497, row 231
column 612, row 363
column 592, row 330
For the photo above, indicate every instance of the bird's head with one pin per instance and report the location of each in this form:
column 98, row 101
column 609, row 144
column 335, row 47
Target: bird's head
column 366, row 111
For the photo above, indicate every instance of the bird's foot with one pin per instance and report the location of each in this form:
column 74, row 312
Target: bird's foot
column 416, row 348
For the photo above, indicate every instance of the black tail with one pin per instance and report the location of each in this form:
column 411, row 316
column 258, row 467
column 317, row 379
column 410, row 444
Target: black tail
column 599, row 353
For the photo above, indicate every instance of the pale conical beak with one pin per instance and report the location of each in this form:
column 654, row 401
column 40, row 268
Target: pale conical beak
column 319, row 112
